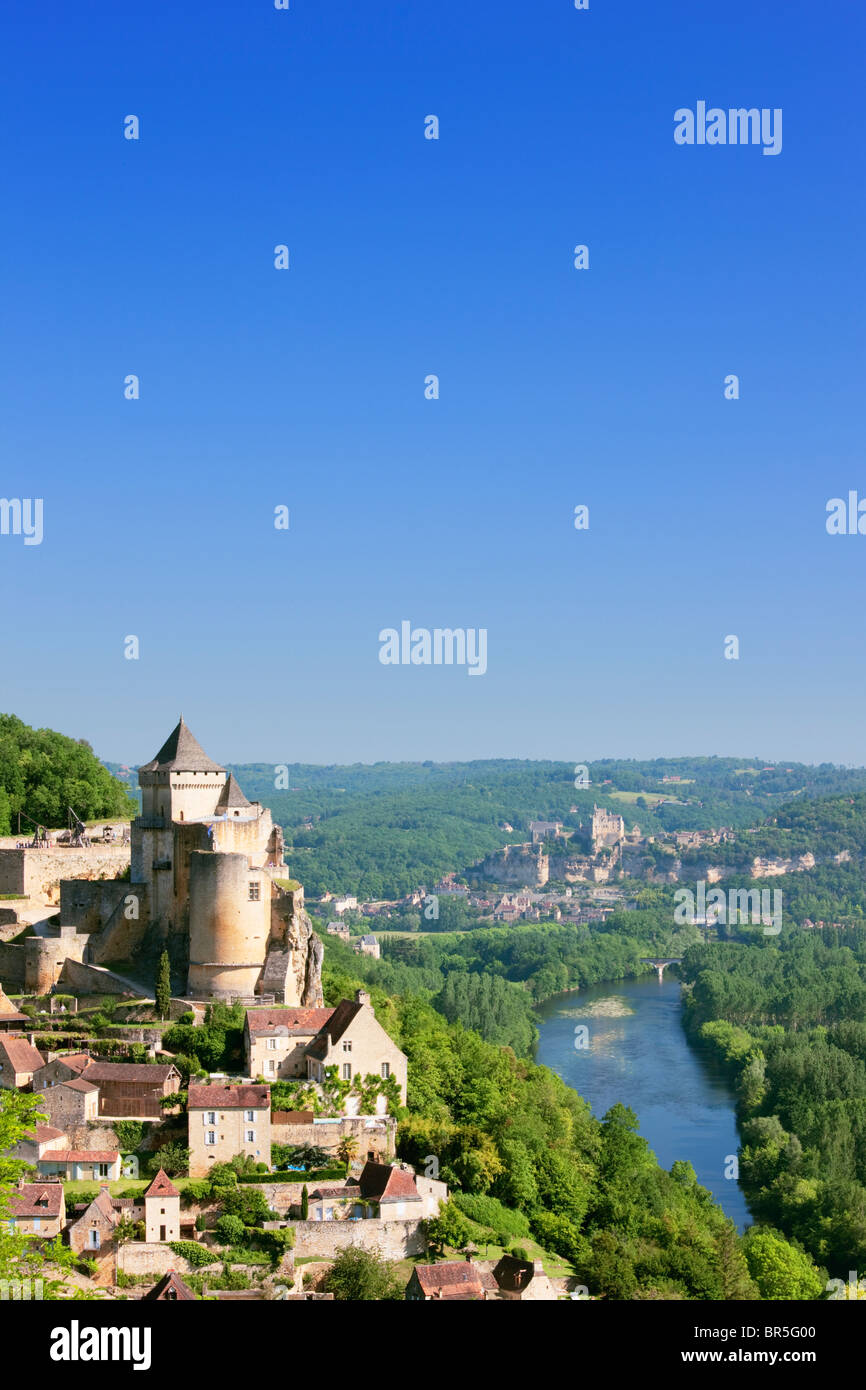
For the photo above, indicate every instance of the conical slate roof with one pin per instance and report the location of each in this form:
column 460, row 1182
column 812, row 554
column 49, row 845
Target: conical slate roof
column 231, row 795
column 181, row 752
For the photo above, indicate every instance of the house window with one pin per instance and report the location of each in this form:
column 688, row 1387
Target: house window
column 386, row 1070
column 347, row 1071
column 210, row 1137
column 37, row 1223
column 272, row 1044
column 347, row 1047
column 249, row 1116
column 329, row 1213
column 251, row 1136
column 210, row 1117
column 255, row 888
column 93, row 1241
column 272, row 1066
column 104, row 1169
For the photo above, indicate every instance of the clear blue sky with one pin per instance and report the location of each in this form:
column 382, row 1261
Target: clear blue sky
column 409, row 257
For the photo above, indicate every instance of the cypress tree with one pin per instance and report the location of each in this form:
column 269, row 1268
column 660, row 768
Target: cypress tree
column 163, row 986
column 305, row 1203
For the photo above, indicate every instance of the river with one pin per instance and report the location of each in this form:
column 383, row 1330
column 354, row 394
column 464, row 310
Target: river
column 637, row 1053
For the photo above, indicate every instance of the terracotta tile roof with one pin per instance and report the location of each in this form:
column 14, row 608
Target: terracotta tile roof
column 43, row 1134
column 79, row 1084
column 382, row 1183
column 289, row 1021
column 171, row 1289
column 229, row 1098
column 157, row 1073
column 20, row 1054
column 77, row 1061
column 26, row 1200
column 162, row 1186
column 454, row 1279
column 181, row 752
column 81, row 1156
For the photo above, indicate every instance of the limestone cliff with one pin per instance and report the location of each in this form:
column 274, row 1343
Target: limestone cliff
column 293, row 969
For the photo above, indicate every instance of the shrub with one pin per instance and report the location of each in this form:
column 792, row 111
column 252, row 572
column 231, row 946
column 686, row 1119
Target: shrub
column 129, row 1134
column 230, row 1230
column 489, row 1211
column 190, row 1250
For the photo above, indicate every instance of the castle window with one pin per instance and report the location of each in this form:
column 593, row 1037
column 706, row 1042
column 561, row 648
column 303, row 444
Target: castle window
column 254, row 892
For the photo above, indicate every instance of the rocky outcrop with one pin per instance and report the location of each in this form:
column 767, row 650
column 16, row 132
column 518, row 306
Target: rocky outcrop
column 293, row 969
column 526, row 866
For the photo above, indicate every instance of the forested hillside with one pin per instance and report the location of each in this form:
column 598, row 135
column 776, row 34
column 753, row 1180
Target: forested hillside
column 43, row 773
column 787, row 1019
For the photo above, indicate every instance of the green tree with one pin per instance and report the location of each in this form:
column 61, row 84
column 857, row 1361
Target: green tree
column 363, row 1276
column 305, row 1203
column 780, row 1268
column 163, row 986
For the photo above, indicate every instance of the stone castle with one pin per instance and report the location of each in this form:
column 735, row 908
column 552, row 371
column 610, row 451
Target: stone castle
column 207, row 878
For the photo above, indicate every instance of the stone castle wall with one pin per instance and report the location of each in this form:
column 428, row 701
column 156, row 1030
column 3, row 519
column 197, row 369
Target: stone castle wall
column 36, row 873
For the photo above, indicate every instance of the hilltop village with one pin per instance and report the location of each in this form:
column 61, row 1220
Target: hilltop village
column 165, row 1180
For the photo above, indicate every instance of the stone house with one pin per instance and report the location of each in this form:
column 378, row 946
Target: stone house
column 276, row 1040
column 93, row 1229
column 367, row 945
column 382, row 1191
column 43, row 1139
column 11, row 1021
column 355, row 1042
column 66, row 1067
column 228, row 1120
column 75, row 1165
column 71, row 1103
column 133, row 1090
column 37, row 1209
column 161, row 1210
column 453, row 1280
column 18, row 1062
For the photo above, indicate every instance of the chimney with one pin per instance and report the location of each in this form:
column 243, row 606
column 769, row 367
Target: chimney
column 361, row 996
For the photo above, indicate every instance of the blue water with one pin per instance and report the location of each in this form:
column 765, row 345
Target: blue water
column 643, row 1060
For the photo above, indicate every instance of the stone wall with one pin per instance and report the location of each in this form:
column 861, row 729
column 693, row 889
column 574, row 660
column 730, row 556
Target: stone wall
column 46, row 957
column 143, row 1257
column 374, row 1134
column 86, row 979
column 12, row 965
column 37, row 872
column 393, row 1239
